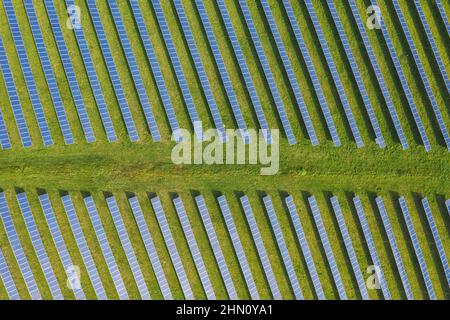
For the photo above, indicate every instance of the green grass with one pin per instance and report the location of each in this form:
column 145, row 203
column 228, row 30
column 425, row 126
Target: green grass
column 144, row 167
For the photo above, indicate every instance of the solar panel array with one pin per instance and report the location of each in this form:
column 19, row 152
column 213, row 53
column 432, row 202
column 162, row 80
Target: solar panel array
column 326, row 245
column 372, row 249
column 447, row 203
column 127, row 247
column 38, row 246
column 423, row 75
column 60, row 245
column 357, row 75
column 379, row 75
column 267, row 72
column 8, row 282
column 257, row 239
column 394, row 247
column 239, row 250
column 83, row 247
column 171, row 247
column 349, row 247
column 4, row 137
column 312, row 73
column 417, row 249
column 334, row 73
column 215, row 245
column 70, row 72
column 443, row 15
column 17, row 249
column 112, row 70
column 27, row 73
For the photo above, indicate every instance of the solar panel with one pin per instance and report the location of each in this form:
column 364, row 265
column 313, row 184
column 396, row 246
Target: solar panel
column 239, row 250
column 127, row 247
column 404, row 84
column 14, row 98
column 267, row 72
column 326, row 245
column 305, row 247
column 105, row 247
column 92, row 76
column 379, row 139
column 112, row 70
column 48, row 73
column 283, row 248
column 372, row 249
column 38, row 246
column 395, row 249
column 334, row 73
column 70, row 72
column 312, row 73
column 215, row 245
column 7, row 279
column 4, row 137
column 447, row 203
column 437, row 239
column 417, row 249
column 349, row 247
column 17, row 249
column 171, row 247
column 27, row 73
column 58, row 240
column 153, row 61
column 150, row 247
column 263, row 257
column 193, row 247
column 182, row 82
column 423, row 75
column 221, row 67
column 379, row 75
column 83, row 247
column 443, row 15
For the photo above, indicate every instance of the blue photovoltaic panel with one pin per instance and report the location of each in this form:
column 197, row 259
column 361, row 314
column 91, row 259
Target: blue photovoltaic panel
column 395, row 249
column 171, row 247
column 326, row 245
column 83, row 247
column 404, row 83
column 417, row 249
column 154, row 64
column 423, row 75
column 372, row 249
column 238, row 247
column 150, row 248
column 128, row 248
column 447, row 204
column 443, row 15
column 4, row 137
column 27, row 73
column 267, row 72
column 48, row 73
column 264, row 258
column 334, row 73
column 113, row 74
column 312, row 73
column 38, row 246
column 290, row 73
column 349, row 247
column 134, row 70
column 14, row 98
column 283, row 248
column 7, row 279
column 379, row 139
column 437, row 239
column 193, row 247
column 379, row 75
column 215, row 245
column 17, row 249
column 70, row 72
column 305, row 247
column 433, row 45
column 92, row 75
column 60, row 245
column 182, row 82
column 105, row 247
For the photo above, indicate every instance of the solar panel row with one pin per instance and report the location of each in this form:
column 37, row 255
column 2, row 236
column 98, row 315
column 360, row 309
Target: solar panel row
column 4, row 137
column 443, row 15
column 447, row 203
column 8, row 282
